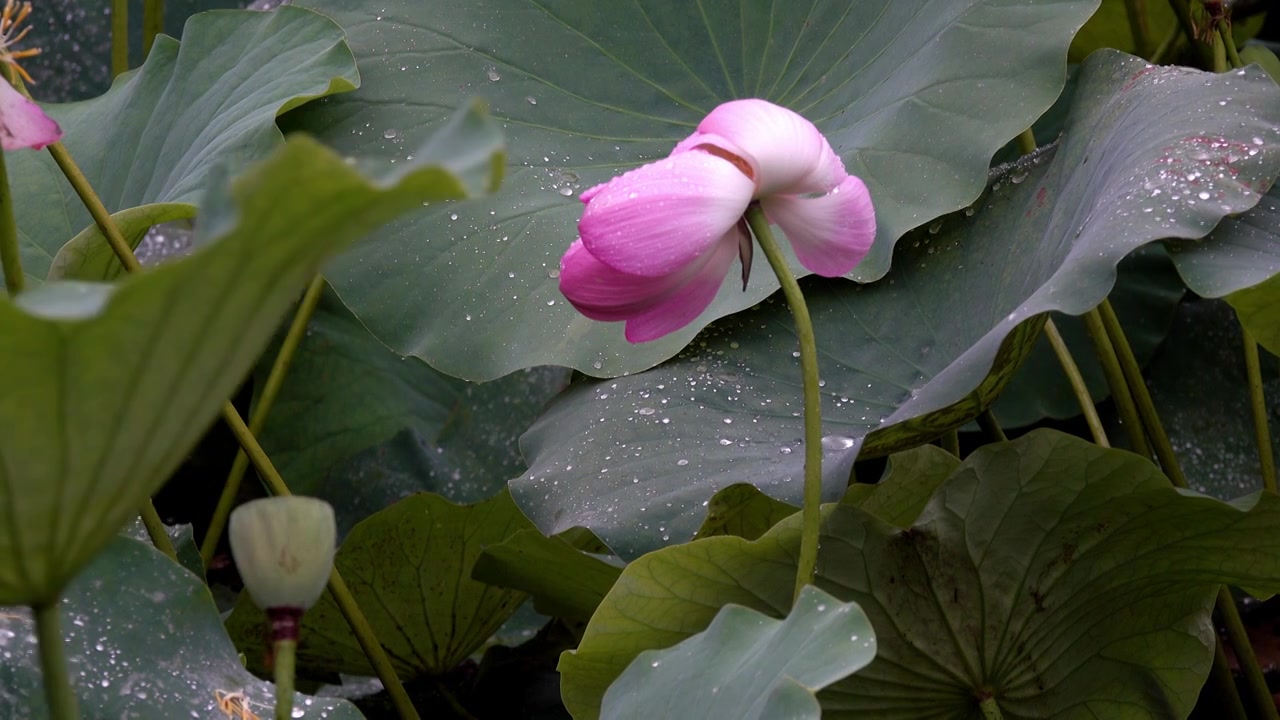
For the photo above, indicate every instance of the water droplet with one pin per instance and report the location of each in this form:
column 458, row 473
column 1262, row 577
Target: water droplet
column 1203, row 195
column 682, row 462
column 837, row 442
column 935, row 227
column 390, row 133
column 1017, row 178
column 553, row 273
column 565, row 191
column 493, row 74
column 646, row 411
column 531, row 100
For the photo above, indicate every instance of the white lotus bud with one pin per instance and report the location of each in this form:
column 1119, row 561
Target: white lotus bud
column 284, row 549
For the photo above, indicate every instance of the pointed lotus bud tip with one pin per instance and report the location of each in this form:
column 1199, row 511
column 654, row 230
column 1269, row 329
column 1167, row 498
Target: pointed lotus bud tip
column 284, row 548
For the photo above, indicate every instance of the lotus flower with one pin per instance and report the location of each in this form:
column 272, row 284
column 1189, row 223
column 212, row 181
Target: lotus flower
column 22, row 123
column 284, row 548
column 656, row 243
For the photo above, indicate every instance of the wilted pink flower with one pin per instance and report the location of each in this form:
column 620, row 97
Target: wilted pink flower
column 655, row 243
column 22, row 123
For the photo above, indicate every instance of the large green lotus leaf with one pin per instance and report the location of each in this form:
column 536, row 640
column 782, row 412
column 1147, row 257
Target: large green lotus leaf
column 1061, row 579
column 562, row 580
column 107, row 387
column 157, row 134
column 409, row 567
column 362, row 427
column 902, row 360
column 1145, row 297
column 143, row 640
column 587, row 90
column 747, row 666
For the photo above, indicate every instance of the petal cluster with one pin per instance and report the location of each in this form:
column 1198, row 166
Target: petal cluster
column 22, row 123
column 284, row 549
column 655, row 243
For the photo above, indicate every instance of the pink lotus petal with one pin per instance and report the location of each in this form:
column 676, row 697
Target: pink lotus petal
column 602, row 293
column 690, row 299
column 830, row 234
column 22, row 123
column 790, row 154
column 658, row 218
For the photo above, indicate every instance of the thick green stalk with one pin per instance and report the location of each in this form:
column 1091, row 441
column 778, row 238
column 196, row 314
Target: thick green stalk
column 156, row 530
column 152, row 23
column 119, row 37
column 1141, row 395
column 350, row 610
column 10, row 251
column 1219, row 54
column 1026, row 142
column 1137, row 13
column 1229, row 44
column 1254, row 680
column 258, row 421
column 811, row 518
column 284, row 654
column 1258, row 405
column 987, row 421
column 1222, row 680
column 951, row 441
column 53, row 664
column 990, row 709
column 1226, row 606
column 1120, row 394
column 1078, row 386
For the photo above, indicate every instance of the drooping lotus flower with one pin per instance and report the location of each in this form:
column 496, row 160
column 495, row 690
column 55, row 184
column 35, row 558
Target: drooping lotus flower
column 656, row 243
column 22, row 123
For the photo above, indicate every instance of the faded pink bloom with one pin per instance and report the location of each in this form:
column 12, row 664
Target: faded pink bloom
column 655, row 243
column 22, row 123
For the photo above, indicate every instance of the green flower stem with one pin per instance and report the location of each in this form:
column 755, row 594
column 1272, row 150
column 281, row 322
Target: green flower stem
column 119, row 37
column 1137, row 12
column 1026, row 142
column 811, row 518
column 258, row 421
column 1229, row 44
column 1166, row 46
column 1141, row 396
column 987, row 421
column 1219, row 54
column 350, row 610
column 951, row 441
column 341, row 593
column 1258, row 404
column 152, row 23
column 1115, row 380
column 1225, row 684
column 1077, row 383
column 1226, row 606
column 1254, row 680
column 53, row 664
column 156, row 530
column 284, row 654
column 990, row 709
column 10, row 252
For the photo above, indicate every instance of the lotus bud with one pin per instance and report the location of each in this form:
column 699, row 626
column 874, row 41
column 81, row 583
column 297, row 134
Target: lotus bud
column 284, row 547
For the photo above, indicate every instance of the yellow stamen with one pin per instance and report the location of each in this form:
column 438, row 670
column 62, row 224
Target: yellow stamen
column 13, row 15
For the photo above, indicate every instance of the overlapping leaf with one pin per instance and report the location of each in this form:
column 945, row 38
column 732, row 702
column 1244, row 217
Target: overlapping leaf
column 634, row 459
column 584, row 94
column 1048, row 576
column 158, row 134
column 746, row 666
column 107, row 387
column 409, row 568
column 144, row 640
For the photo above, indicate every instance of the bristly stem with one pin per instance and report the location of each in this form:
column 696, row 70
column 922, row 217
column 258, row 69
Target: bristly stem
column 10, row 250
column 346, row 603
column 811, row 518
column 156, row 530
column 990, row 709
column 1254, row 678
column 987, row 421
column 53, row 663
column 1229, row 44
column 152, row 23
column 1136, row 10
column 1078, row 386
column 284, row 654
column 1120, row 394
column 119, row 37
column 1258, row 405
column 258, row 421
